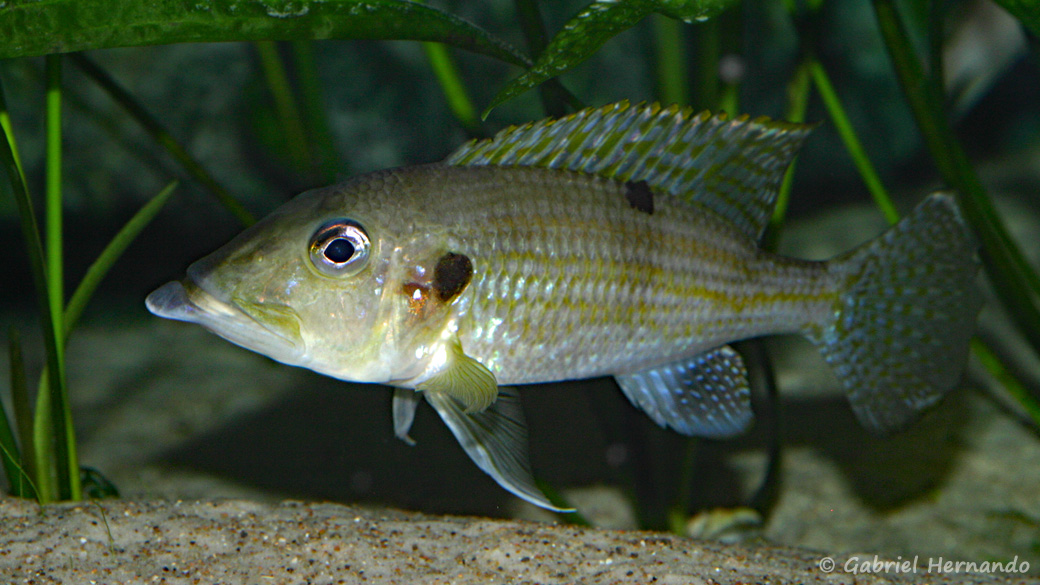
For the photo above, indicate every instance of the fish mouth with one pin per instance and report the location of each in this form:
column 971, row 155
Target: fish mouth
column 187, row 300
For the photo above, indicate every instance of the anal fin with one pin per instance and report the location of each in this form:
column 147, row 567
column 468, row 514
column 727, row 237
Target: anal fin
column 496, row 440
column 707, row 395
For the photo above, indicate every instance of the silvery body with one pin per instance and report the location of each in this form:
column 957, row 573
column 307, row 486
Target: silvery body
column 619, row 241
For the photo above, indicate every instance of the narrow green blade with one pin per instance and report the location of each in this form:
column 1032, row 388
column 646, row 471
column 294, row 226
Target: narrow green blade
column 64, row 437
column 17, row 465
column 9, row 453
column 578, row 40
column 111, row 253
column 62, row 26
column 593, row 26
column 34, row 247
column 162, row 137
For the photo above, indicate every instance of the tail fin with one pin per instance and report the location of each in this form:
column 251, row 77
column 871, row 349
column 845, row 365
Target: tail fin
column 899, row 337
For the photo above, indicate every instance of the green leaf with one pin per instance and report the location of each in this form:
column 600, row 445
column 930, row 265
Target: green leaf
column 61, row 26
column 692, row 10
column 286, row 105
column 852, row 143
column 23, row 416
column 111, row 253
column 554, row 97
column 43, row 443
column 1014, row 280
column 453, row 87
column 61, row 413
column 37, row 265
column 596, row 24
column 582, row 36
column 329, row 162
column 1012, row 385
column 9, row 452
column 18, row 464
column 162, row 137
column 1026, row 11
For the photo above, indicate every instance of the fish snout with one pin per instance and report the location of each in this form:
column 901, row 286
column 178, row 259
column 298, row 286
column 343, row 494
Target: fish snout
column 273, row 330
column 171, row 301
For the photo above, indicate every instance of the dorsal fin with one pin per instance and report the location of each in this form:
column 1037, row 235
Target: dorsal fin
column 733, row 167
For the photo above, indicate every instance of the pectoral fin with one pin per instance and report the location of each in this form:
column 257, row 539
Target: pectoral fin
column 405, row 402
column 706, row 395
column 464, row 379
column 496, row 440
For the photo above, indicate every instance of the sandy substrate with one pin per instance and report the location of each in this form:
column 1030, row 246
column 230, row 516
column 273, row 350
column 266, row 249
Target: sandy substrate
column 243, row 542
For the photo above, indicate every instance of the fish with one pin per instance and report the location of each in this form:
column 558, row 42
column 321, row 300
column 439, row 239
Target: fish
column 621, row 240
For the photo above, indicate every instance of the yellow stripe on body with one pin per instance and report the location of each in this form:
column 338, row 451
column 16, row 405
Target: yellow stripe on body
column 577, row 282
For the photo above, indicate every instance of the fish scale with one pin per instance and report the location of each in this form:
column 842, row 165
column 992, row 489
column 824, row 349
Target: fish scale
column 646, row 289
column 619, row 241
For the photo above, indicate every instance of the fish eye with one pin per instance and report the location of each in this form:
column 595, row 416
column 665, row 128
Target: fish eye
column 340, row 248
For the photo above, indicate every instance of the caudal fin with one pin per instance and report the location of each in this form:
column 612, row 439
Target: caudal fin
column 899, row 338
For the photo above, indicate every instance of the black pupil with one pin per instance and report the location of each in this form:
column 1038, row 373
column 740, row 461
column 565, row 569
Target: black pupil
column 339, row 250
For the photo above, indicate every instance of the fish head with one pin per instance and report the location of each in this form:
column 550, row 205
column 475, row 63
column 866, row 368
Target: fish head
column 324, row 282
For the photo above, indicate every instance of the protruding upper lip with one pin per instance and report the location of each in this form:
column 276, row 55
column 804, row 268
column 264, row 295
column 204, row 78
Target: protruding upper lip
column 172, row 301
column 185, row 300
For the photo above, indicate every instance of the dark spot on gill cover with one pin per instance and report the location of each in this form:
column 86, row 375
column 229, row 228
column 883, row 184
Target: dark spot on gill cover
column 452, row 274
column 640, row 196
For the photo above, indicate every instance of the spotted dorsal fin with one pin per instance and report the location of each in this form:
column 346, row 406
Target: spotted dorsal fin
column 733, row 167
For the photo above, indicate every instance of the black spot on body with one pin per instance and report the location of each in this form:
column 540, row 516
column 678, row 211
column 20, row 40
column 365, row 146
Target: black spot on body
column 640, row 196
column 452, row 274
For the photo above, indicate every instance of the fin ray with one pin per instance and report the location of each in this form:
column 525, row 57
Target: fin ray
column 707, row 395
column 464, row 378
column 496, row 440
column 898, row 339
column 405, row 402
column 733, row 167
